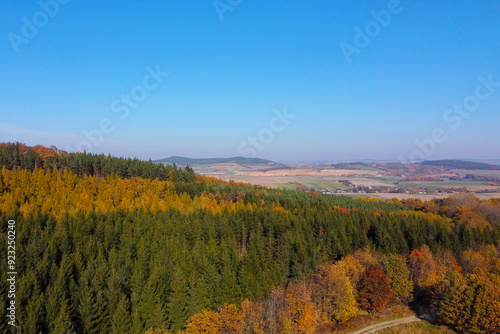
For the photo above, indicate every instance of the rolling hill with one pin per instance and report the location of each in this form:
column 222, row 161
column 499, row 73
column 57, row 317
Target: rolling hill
column 460, row 164
column 209, row 161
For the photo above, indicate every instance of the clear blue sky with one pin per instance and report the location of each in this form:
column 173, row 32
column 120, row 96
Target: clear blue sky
column 227, row 76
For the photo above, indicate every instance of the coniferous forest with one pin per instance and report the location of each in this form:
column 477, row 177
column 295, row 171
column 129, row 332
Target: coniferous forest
column 114, row 245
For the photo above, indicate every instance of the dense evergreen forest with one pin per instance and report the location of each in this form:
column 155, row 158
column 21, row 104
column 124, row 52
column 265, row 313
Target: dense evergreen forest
column 13, row 155
column 114, row 245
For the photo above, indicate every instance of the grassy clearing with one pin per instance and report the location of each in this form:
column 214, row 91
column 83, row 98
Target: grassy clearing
column 324, row 185
column 390, row 180
column 422, row 327
column 287, row 186
column 443, row 184
column 487, row 173
column 362, row 321
column 396, row 312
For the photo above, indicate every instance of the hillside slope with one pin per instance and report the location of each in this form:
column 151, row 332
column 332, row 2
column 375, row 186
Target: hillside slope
column 209, row 161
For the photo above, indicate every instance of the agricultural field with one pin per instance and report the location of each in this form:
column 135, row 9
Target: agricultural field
column 487, row 173
column 360, row 179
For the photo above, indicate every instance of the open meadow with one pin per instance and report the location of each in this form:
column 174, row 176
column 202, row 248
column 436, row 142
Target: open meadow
column 375, row 183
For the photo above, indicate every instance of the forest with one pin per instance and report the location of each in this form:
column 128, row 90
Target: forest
column 115, row 245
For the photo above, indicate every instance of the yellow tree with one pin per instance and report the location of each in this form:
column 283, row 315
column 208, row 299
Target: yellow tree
column 425, row 271
column 301, row 315
column 205, row 322
column 252, row 317
column 230, row 319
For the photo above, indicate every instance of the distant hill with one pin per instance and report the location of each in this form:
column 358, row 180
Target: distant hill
column 460, row 164
column 209, row 161
column 354, row 165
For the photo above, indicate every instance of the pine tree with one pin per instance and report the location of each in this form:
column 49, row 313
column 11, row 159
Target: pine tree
column 62, row 323
column 121, row 322
column 34, row 311
column 152, row 310
column 396, row 269
column 177, row 305
column 197, row 295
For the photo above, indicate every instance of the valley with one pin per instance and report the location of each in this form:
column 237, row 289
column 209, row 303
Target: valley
column 383, row 180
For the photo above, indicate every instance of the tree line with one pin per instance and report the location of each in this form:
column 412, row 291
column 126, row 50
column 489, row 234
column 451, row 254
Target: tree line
column 14, row 155
column 102, row 253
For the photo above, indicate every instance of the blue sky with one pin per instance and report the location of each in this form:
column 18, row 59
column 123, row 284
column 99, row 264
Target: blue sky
column 229, row 79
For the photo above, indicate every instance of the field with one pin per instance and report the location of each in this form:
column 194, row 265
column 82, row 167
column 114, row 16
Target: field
column 309, row 172
column 487, row 173
column 327, row 179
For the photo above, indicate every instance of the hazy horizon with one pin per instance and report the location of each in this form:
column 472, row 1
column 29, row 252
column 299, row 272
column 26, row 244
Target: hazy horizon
column 388, row 80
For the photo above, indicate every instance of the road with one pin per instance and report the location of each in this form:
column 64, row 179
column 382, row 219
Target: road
column 386, row 324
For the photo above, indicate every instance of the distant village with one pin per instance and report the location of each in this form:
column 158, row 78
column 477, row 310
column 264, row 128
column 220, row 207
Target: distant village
column 360, row 189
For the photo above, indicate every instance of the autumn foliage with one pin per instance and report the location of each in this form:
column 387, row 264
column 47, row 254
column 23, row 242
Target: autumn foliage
column 116, row 245
column 62, row 192
column 375, row 290
column 467, row 300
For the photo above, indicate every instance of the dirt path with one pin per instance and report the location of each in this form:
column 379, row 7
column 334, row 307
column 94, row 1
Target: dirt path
column 387, row 324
